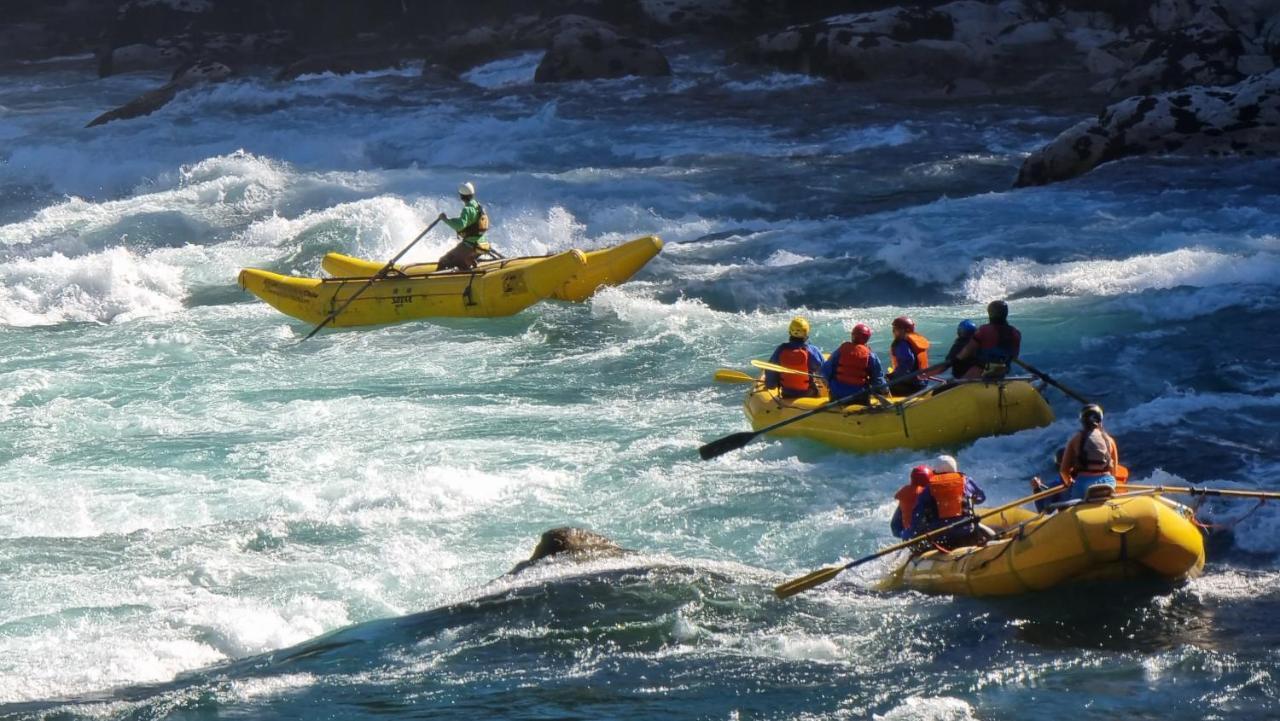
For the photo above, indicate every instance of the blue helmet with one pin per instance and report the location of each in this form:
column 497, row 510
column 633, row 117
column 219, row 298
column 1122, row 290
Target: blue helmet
column 966, row 328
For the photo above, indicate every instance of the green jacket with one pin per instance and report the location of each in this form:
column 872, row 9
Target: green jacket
column 470, row 212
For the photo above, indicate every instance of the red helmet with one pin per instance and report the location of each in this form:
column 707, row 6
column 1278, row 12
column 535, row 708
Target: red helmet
column 920, row 475
column 861, row 331
column 905, row 323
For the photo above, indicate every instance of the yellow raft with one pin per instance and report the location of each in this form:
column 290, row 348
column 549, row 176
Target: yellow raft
column 607, row 266
column 1126, row 537
column 943, row 417
column 495, row 290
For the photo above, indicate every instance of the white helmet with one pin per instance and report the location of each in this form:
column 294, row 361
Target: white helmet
column 945, row 464
column 466, row 189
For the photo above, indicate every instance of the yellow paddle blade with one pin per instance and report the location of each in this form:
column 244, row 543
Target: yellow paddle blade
column 725, row 375
column 804, row 583
column 766, row 365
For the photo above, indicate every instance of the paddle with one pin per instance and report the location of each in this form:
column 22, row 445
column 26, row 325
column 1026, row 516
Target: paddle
column 1048, row 379
column 734, row 441
column 766, row 365
column 725, row 375
column 1193, row 491
column 385, row 269
column 821, row 576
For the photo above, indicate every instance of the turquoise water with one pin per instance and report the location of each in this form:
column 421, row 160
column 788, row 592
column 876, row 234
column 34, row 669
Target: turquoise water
column 188, row 492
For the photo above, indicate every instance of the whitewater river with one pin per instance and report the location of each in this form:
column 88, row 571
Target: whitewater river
column 184, row 488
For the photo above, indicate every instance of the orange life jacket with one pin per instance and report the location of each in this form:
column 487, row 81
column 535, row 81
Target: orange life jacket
column 852, row 368
column 907, row 497
column 797, row 358
column 947, row 490
column 919, row 347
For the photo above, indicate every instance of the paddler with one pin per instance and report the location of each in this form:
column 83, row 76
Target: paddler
column 853, row 368
column 799, row 354
column 908, row 355
column 470, row 225
column 908, row 496
column 993, row 346
column 964, row 333
column 1121, row 474
column 949, row 497
column 1091, row 458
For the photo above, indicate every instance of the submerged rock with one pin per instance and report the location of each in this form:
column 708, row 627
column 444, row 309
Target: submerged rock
column 1238, row 119
column 195, row 74
column 574, row 543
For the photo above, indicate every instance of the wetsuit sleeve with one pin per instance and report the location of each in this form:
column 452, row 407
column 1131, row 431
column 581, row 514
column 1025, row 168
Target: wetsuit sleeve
column 1017, row 343
column 875, row 374
column 829, row 365
column 772, row 379
column 902, row 357
column 895, row 523
column 921, row 512
column 465, row 218
column 979, row 496
column 815, row 359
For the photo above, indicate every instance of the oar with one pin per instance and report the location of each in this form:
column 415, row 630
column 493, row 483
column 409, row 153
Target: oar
column 385, row 269
column 1049, row 379
column 1193, row 491
column 734, row 441
column 821, row 576
column 766, row 365
column 726, row 375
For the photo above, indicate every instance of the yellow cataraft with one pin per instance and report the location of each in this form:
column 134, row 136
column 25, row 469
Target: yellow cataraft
column 1130, row 536
column 607, row 266
column 943, row 416
column 494, row 290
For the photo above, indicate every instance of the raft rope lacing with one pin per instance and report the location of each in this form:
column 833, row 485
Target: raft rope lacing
column 1195, row 509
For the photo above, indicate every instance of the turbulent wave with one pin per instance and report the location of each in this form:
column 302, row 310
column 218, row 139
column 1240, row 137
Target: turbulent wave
column 205, row 517
column 115, row 285
column 999, row 278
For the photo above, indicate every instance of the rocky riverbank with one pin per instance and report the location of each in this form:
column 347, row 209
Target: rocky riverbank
column 1037, row 50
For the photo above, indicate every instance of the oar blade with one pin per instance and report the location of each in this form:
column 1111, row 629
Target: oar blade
column 804, row 583
column 721, row 446
column 726, row 375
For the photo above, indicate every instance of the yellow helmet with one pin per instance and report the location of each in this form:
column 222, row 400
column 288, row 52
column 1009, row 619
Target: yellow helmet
column 799, row 327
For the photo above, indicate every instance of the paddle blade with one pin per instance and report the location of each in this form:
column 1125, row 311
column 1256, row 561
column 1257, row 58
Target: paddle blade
column 725, row 375
column 804, row 583
column 721, row 446
column 766, row 365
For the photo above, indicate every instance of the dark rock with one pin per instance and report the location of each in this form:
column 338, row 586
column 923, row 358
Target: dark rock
column 573, row 543
column 342, row 63
column 1035, row 46
column 1240, row 119
column 139, row 57
column 145, row 21
column 193, row 74
column 599, row 52
column 476, row 46
column 436, row 73
column 697, row 15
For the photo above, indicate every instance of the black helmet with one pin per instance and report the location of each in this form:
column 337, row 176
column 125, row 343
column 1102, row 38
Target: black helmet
column 998, row 310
